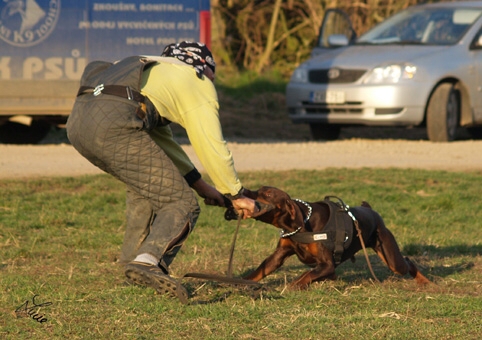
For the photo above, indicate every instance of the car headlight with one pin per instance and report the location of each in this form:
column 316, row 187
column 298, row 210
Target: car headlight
column 391, row 73
column 300, row 75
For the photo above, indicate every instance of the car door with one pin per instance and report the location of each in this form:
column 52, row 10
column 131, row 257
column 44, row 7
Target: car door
column 476, row 48
column 336, row 30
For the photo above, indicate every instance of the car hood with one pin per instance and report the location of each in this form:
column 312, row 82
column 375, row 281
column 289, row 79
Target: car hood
column 370, row 56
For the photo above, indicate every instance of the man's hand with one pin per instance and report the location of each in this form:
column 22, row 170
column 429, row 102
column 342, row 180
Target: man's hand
column 245, row 206
column 209, row 193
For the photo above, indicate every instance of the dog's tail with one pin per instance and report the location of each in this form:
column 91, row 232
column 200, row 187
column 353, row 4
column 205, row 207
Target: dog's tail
column 366, row 204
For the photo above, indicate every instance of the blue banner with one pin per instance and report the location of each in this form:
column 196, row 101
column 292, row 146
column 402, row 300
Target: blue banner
column 55, row 39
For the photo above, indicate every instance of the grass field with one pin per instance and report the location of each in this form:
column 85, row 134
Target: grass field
column 60, row 239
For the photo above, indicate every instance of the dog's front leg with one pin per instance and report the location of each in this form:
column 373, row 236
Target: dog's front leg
column 271, row 263
column 325, row 271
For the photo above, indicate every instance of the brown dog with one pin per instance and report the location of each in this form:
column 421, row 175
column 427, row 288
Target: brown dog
column 295, row 217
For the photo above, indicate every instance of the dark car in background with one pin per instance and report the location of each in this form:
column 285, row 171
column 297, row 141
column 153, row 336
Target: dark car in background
column 420, row 67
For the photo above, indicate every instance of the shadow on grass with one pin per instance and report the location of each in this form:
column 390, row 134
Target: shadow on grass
column 209, row 292
column 436, row 263
column 445, row 261
column 447, row 251
column 432, row 261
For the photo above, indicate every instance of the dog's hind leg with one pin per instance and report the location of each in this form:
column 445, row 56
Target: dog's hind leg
column 388, row 250
column 413, row 270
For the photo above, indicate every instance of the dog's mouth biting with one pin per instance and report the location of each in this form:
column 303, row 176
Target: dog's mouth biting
column 258, row 196
column 263, row 208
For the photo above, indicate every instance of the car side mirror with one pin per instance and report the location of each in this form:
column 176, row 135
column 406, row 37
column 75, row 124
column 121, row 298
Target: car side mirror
column 338, row 40
column 479, row 42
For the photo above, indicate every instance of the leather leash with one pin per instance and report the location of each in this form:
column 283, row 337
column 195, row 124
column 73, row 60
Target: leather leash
column 219, row 278
column 229, row 272
column 360, row 236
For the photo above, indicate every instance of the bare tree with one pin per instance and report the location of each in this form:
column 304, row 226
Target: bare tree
column 279, row 34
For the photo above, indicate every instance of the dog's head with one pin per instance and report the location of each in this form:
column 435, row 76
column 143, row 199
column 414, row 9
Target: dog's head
column 283, row 212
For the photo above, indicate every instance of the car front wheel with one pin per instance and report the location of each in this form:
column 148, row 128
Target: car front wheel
column 475, row 132
column 443, row 114
column 17, row 133
column 320, row 131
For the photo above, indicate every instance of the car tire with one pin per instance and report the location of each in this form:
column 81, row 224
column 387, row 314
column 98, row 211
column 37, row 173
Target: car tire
column 320, row 131
column 443, row 112
column 17, row 133
column 475, row 132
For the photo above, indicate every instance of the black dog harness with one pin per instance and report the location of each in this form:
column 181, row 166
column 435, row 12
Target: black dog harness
column 336, row 235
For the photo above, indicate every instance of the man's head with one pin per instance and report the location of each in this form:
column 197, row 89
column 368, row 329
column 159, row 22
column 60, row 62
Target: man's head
column 195, row 54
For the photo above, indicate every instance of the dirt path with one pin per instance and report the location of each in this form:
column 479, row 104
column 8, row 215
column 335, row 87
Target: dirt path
column 18, row 161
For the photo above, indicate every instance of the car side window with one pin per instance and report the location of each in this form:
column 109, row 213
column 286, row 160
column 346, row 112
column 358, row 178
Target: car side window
column 409, row 29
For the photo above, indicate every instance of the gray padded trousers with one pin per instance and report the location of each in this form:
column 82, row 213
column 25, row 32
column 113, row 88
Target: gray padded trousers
column 161, row 207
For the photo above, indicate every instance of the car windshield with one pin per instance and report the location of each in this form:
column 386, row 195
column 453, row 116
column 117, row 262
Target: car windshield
column 439, row 26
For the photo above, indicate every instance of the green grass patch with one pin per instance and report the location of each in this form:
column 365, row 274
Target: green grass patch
column 60, row 239
column 248, row 84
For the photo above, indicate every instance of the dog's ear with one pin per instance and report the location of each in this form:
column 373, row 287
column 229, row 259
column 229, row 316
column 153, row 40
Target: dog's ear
column 294, row 216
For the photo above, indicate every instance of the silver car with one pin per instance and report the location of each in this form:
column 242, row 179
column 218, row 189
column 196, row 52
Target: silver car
column 420, row 67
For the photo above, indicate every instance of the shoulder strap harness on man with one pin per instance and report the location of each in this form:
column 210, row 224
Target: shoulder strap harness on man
column 120, row 79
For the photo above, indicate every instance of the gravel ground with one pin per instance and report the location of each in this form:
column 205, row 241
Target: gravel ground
column 57, row 158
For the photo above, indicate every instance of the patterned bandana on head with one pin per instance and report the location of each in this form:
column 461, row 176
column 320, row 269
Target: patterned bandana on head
column 192, row 53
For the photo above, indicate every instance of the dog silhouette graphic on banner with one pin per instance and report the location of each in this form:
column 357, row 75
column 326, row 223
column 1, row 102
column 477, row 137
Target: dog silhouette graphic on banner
column 29, row 10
